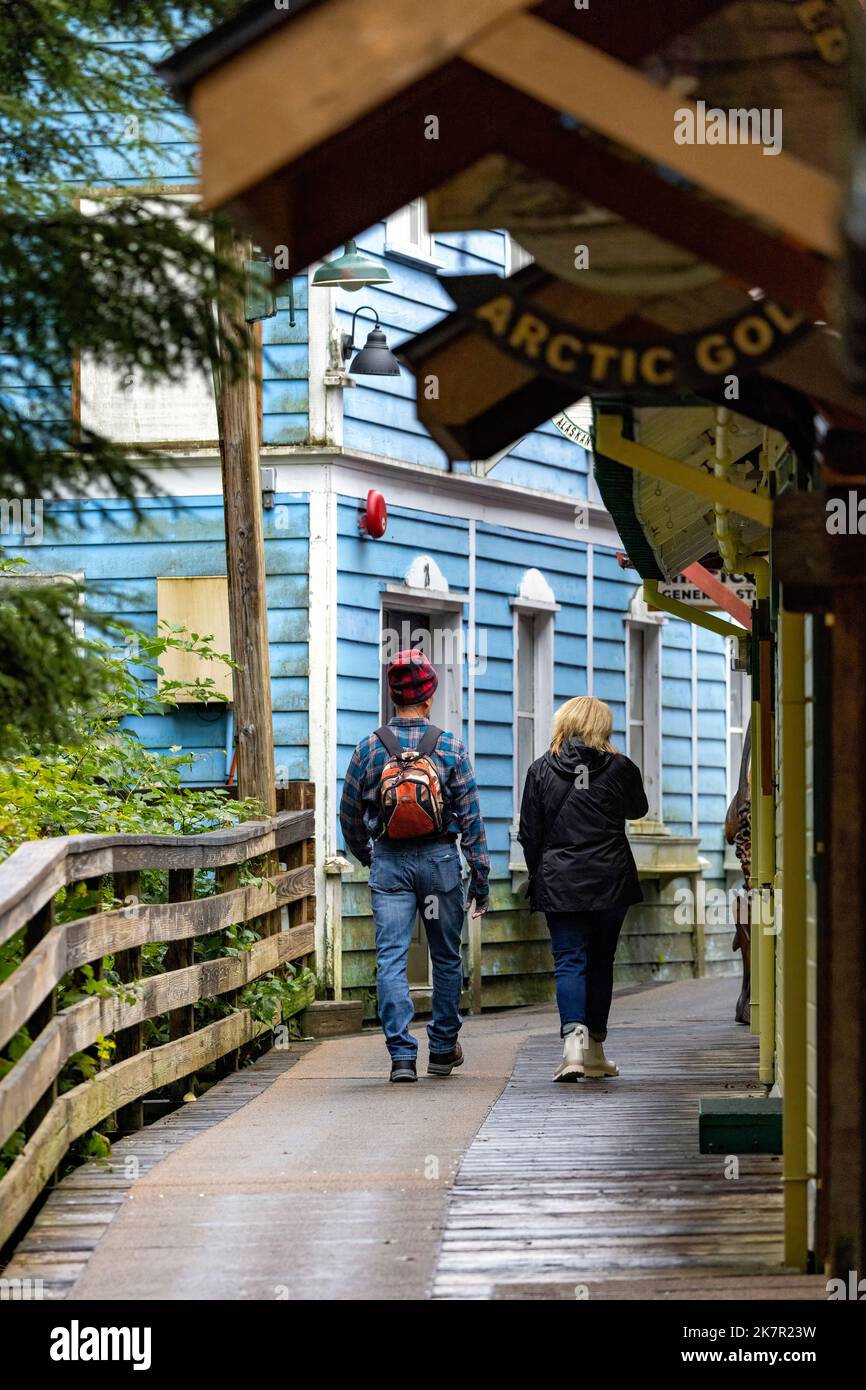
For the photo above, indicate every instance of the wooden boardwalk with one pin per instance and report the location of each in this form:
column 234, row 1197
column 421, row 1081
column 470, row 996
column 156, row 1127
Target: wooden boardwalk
column 308, row 1176
column 597, row 1189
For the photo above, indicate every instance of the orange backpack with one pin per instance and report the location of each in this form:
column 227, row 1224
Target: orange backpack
column 410, row 788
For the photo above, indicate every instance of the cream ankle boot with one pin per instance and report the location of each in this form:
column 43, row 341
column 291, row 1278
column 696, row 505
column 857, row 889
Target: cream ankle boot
column 573, row 1049
column 595, row 1064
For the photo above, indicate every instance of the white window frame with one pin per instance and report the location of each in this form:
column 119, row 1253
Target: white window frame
column 652, row 706
column 29, row 577
column 447, row 608
column 400, row 242
column 732, row 647
column 532, row 602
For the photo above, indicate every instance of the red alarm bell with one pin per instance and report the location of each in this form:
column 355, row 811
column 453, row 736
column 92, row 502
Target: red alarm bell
column 373, row 520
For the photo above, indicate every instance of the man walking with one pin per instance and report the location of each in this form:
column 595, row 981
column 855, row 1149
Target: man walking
column 409, row 791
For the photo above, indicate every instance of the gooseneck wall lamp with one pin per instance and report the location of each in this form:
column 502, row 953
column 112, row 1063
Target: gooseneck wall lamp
column 375, row 357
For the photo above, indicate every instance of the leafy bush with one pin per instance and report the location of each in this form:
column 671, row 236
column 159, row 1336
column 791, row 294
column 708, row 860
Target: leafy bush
column 103, row 779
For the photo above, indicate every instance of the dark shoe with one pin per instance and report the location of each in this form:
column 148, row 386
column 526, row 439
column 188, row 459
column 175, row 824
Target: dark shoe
column 404, row 1070
column 443, row 1063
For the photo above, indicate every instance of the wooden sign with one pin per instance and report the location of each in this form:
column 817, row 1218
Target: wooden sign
column 589, row 362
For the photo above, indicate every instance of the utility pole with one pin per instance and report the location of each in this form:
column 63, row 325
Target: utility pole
column 237, row 417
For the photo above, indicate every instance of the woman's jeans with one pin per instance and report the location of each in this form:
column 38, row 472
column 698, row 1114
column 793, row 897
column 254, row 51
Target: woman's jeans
column 404, row 882
column 584, row 945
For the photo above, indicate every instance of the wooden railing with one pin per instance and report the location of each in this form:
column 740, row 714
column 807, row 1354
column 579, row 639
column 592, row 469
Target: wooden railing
column 29, row 882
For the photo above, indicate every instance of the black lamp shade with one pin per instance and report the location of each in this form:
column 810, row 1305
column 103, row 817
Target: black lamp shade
column 375, row 357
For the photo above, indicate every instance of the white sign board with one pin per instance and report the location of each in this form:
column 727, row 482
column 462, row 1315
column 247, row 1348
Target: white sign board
column 684, row 591
column 574, row 423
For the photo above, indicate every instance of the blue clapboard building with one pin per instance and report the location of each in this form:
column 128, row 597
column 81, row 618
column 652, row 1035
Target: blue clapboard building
column 507, row 568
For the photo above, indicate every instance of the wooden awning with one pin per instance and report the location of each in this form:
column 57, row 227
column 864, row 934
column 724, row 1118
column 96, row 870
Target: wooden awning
column 292, row 104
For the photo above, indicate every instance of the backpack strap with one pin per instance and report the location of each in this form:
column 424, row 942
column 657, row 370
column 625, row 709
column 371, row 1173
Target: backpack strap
column 429, row 740
column 393, row 746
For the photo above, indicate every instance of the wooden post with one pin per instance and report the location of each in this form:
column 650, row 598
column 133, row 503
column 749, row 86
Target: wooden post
column 181, row 1022
column 844, row 1031
column 37, row 929
column 300, row 796
column 129, row 967
column 237, row 414
column 227, row 879
column 822, row 571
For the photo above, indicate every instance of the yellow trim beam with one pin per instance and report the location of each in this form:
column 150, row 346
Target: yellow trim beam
column 573, row 76
column 698, row 616
column 609, row 440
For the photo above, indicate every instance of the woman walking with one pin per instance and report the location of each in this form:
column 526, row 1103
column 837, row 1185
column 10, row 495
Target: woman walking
column 582, row 874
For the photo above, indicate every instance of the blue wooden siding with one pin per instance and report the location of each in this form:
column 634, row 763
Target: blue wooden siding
column 712, row 749
column 502, row 558
column 711, row 715
column 121, row 558
column 365, row 568
column 613, row 591
column 286, row 369
column 379, row 412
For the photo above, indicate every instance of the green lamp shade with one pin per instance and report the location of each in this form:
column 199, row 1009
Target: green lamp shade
column 351, row 271
column 375, row 357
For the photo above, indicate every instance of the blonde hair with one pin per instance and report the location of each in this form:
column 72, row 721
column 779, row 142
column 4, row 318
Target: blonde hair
column 585, row 719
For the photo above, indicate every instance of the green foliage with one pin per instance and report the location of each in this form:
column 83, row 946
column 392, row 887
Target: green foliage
column 273, row 997
column 103, row 779
column 130, row 284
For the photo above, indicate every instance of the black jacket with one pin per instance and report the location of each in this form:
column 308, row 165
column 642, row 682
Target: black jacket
column 578, row 858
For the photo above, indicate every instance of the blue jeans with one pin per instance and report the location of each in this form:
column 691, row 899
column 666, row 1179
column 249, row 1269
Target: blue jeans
column 584, row 945
column 404, row 882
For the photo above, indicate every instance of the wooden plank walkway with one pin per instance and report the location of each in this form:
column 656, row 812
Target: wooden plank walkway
column 309, row 1174
column 597, row 1189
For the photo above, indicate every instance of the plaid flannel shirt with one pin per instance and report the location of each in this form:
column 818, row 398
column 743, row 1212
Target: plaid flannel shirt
column 359, row 807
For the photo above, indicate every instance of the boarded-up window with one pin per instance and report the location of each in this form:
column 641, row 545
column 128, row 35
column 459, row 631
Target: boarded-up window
column 201, row 605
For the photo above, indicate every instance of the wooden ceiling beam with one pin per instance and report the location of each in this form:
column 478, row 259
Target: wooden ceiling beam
column 534, row 135
column 332, row 64
column 573, row 77
column 629, row 29
column 306, row 208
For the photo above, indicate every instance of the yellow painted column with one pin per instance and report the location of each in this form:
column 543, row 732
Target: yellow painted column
column 764, row 947
column 793, row 920
column 755, row 927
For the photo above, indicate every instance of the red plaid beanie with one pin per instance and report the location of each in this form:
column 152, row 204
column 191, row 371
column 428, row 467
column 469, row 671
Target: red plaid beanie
column 411, row 678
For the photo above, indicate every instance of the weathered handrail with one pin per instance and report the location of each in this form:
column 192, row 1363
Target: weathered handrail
column 29, row 880
column 37, row 870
